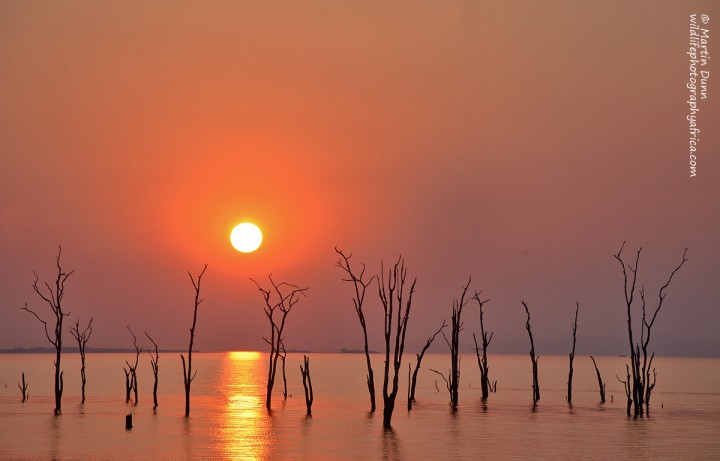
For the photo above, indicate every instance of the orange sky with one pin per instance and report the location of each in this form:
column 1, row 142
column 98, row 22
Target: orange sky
column 518, row 142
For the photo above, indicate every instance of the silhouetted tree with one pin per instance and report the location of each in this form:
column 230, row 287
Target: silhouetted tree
column 412, row 382
column 131, row 373
column 307, row 384
column 53, row 298
column 600, row 381
column 287, row 296
column 533, row 357
column 409, row 400
column 391, row 292
column 23, row 388
column 360, row 287
column 82, row 340
column 627, row 385
column 128, row 383
column 188, row 375
column 483, row 362
column 154, row 363
column 640, row 364
column 283, row 354
column 572, row 354
column 456, row 325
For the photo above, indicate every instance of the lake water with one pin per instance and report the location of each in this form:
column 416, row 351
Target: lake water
column 228, row 419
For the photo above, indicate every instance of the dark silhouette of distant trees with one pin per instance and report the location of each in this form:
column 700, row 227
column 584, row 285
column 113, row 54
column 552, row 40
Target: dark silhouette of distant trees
column 307, row 384
column 155, row 364
column 188, row 375
column 82, row 339
column 601, row 386
column 392, row 293
column 413, row 380
column 280, row 297
column 360, row 286
column 23, row 388
column 131, row 383
column 483, row 361
column 53, row 297
column 533, row 357
column 639, row 386
column 572, row 354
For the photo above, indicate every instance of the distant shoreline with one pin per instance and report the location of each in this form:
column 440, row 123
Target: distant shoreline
column 47, row 350
column 111, row 350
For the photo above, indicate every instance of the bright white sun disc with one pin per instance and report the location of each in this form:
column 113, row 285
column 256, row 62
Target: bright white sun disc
column 246, row 237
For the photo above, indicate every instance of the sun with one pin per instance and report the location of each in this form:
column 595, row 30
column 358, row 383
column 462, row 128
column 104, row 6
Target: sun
column 246, row 237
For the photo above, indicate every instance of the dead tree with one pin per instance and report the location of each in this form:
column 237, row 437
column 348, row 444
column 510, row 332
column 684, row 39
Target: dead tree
column 287, row 296
column 360, row 286
column 627, row 385
column 23, row 388
column 307, row 384
column 533, row 357
column 53, row 297
column 572, row 354
column 283, row 354
column 128, row 383
column 412, row 382
column 601, row 386
column 640, row 364
column 188, row 375
column 154, row 363
column 82, row 339
column 391, row 292
column 409, row 400
column 483, row 362
column 454, row 344
column 131, row 373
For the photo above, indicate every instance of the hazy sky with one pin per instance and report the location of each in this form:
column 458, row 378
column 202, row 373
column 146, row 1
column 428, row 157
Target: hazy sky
column 519, row 142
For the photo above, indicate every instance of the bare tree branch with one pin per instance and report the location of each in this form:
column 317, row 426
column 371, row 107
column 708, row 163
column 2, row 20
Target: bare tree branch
column 287, row 296
column 360, row 287
column 54, row 299
column 188, row 375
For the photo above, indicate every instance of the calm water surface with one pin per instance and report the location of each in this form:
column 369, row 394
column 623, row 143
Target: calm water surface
column 228, row 419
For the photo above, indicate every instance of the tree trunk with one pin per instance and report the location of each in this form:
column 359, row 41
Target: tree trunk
column 58, row 374
column 285, row 303
column 572, row 355
column 601, row 386
column 82, row 376
column 188, row 375
column 454, row 343
column 412, row 382
column 128, row 386
column 154, row 363
column 360, row 287
column 54, row 298
column 640, row 386
column 483, row 362
column 307, row 384
column 23, row 388
column 391, row 292
column 533, row 358
column 388, row 408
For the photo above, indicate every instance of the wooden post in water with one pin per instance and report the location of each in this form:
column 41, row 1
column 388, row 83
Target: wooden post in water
column 128, row 421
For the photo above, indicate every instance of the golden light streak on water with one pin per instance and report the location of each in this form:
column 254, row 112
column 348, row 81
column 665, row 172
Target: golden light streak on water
column 245, row 425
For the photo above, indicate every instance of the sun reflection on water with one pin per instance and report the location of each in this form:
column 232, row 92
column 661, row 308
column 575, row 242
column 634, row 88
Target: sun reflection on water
column 245, row 425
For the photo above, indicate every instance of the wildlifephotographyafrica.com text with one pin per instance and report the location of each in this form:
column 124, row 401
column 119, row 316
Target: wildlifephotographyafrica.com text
column 697, row 84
